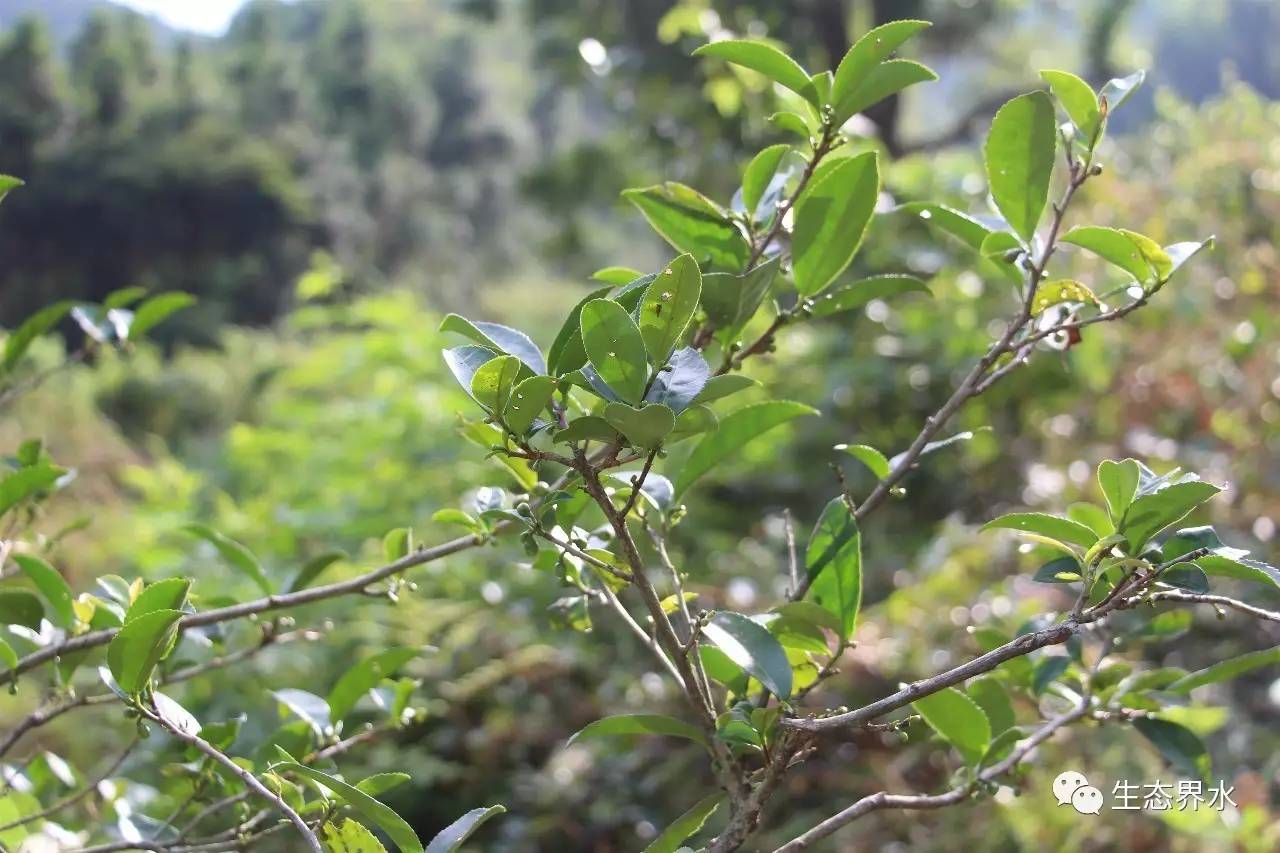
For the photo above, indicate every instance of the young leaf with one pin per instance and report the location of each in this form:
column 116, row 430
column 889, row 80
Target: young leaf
column 831, row 219
column 641, row 724
column 314, row 567
column 616, row 276
column 495, row 382
column 1114, row 246
column 1118, row 89
column 887, row 78
column 1060, row 570
column 849, row 295
column 238, row 556
column 51, row 585
column 677, row 386
column 959, row 720
column 1053, row 293
column 362, row 804
column 750, row 645
column 1151, row 513
column 1226, row 669
column 692, row 223
column 455, row 834
column 498, row 337
column 731, row 300
column 1019, row 155
column 17, row 344
column 645, row 426
column 19, row 607
column 566, row 353
column 869, row 456
column 1119, row 483
column 688, row 824
column 834, row 564
column 363, row 677
column 139, row 646
column 350, row 837
column 8, row 183
column 867, row 52
column 1180, row 746
column 527, row 401
column 759, row 173
column 166, row 594
column 668, row 306
column 1047, row 670
column 763, row 58
column 615, row 348
column 463, row 362
column 736, row 429
column 27, row 482
column 1077, row 98
column 150, row 313
column 1042, row 524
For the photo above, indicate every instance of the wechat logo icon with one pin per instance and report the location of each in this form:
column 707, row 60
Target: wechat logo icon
column 1072, row 788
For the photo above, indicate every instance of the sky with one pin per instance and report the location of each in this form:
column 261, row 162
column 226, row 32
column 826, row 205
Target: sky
column 202, row 16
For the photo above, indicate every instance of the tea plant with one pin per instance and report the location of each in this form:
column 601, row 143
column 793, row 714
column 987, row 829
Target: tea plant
column 606, row 435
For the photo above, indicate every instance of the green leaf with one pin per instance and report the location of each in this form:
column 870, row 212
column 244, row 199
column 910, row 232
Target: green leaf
column 831, row 218
column 363, row 677
column 567, row 353
column 350, row 837
column 1053, row 293
column 587, row 428
column 51, row 586
column 1119, row 483
column 1042, row 524
column 960, row 225
column 750, row 645
column 763, row 58
column 869, row 456
column 1151, row 513
column 759, row 173
column 615, row 348
column 676, row 385
column 139, row 646
column 688, row 824
column 314, row 567
column 993, row 699
column 692, row 223
column 239, row 557
column 8, row 657
column 1116, row 247
column 495, row 381
column 397, row 544
column 464, row 362
column 381, row 782
column 498, row 337
column 19, row 607
column 33, row 327
column 644, row 427
column 1224, row 670
column 849, row 295
column 792, row 123
column 1118, row 89
column 149, row 314
column 695, row 420
column 641, row 724
column 667, row 307
column 732, row 300
column 529, row 399
column 166, row 594
column 8, row 183
column 1077, row 98
column 959, row 720
column 853, row 73
column 718, row 387
column 1047, row 670
column 27, row 482
column 1060, row 570
column 1180, row 746
column 616, row 276
column 1019, row 155
column 884, row 80
column 364, row 805
column 833, row 560
column 455, row 834
column 736, row 429
column 307, row 707
column 124, row 297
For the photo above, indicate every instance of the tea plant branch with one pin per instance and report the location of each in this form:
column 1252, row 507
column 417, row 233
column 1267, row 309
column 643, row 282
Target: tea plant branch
column 79, row 794
column 885, row 800
column 252, row 782
column 1216, row 600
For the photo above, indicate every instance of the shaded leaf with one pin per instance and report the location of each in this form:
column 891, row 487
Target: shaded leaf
column 19, row 607
column 759, row 173
column 27, row 482
column 498, row 337
column 641, row 724
column 363, row 677
column 587, row 428
column 19, row 341
column 721, row 386
column 736, row 429
column 644, row 427
column 314, row 567
column 833, row 560
column 1224, row 670
column 307, row 707
column 51, row 585
column 683, row 380
column 567, row 353
column 686, row 825
column 463, row 362
column 364, row 805
column 752, row 647
column 238, row 556
column 731, row 300
column 156, row 309
column 452, row 836
column 1180, row 746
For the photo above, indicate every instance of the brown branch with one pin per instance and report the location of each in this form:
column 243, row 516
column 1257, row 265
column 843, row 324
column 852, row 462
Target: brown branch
column 1216, row 601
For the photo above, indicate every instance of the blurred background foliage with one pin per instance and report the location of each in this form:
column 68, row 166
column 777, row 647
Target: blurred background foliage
column 330, row 177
